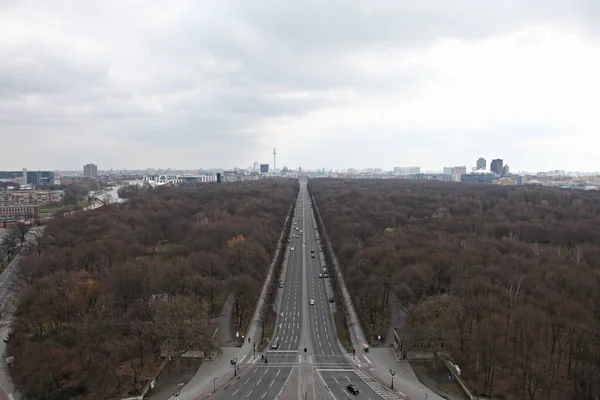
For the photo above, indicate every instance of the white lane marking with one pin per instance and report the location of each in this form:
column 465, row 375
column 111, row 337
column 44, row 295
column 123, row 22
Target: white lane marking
column 246, row 381
column 248, row 395
column 263, row 396
column 236, row 391
column 336, row 381
column 278, row 371
column 243, row 358
column 369, row 361
column 258, row 383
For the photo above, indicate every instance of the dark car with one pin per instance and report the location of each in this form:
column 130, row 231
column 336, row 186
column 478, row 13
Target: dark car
column 331, row 299
column 352, row 389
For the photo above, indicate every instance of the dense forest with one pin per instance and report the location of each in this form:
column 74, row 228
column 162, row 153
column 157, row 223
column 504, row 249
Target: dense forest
column 508, row 276
column 107, row 291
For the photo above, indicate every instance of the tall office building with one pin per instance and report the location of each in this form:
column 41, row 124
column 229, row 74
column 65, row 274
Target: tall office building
column 90, row 171
column 505, row 170
column 481, row 164
column 496, row 166
column 25, row 177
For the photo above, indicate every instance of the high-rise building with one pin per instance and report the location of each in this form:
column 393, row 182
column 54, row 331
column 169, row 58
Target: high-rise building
column 505, row 170
column 256, row 166
column 264, row 168
column 481, row 163
column 90, row 170
column 496, row 166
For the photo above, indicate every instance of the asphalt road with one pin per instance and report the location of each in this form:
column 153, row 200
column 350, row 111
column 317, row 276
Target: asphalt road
column 265, row 381
column 331, row 362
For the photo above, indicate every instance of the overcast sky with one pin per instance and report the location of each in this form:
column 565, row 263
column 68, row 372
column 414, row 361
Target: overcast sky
column 331, row 83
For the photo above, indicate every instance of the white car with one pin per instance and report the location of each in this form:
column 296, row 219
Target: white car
column 292, row 249
column 312, row 302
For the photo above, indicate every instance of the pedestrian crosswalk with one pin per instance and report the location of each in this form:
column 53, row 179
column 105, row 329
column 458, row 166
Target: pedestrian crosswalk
column 377, row 388
column 276, row 365
column 334, row 365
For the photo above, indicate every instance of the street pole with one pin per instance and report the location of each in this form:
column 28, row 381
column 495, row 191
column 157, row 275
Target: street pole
column 392, row 372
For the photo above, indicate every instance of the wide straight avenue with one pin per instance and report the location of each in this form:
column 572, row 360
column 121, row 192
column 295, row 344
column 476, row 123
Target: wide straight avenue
column 304, row 321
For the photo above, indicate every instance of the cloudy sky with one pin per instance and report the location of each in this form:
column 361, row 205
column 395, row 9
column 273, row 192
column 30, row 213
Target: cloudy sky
column 331, row 83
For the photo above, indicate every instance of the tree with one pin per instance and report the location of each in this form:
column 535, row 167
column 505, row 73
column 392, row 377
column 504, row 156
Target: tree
column 181, row 325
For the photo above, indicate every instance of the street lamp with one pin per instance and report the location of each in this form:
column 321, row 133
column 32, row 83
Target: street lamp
column 392, row 372
column 234, row 362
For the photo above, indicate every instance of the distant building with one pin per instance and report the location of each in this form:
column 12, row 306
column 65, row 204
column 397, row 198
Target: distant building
column 505, row 181
column 25, row 177
column 480, row 176
column 264, row 168
column 407, row 170
column 505, row 170
column 496, row 166
column 90, row 171
column 481, row 163
column 256, row 166
column 29, row 197
column 432, row 177
column 19, row 211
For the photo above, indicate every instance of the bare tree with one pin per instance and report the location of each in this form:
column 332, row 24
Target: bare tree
column 181, row 325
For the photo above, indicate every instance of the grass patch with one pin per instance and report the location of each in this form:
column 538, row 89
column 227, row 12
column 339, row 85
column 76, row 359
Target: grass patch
column 342, row 333
column 83, row 203
column 49, row 209
column 269, row 330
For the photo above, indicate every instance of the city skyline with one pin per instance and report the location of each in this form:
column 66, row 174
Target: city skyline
column 364, row 84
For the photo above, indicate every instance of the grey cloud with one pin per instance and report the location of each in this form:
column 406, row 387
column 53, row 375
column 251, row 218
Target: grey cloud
column 212, row 73
column 34, row 69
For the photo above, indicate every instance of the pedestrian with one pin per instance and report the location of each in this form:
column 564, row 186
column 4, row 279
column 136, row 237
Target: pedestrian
column 262, row 356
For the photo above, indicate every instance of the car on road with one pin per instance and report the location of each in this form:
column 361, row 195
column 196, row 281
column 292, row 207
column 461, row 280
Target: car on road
column 312, row 255
column 312, row 302
column 281, row 283
column 292, row 249
column 275, row 344
column 353, row 389
column 320, row 275
column 325, row 275
column 331, row 299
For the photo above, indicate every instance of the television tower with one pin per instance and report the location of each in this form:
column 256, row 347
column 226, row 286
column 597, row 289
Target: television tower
column 274, row 160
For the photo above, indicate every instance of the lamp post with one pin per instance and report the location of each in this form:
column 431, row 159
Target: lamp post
column 392, row 372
